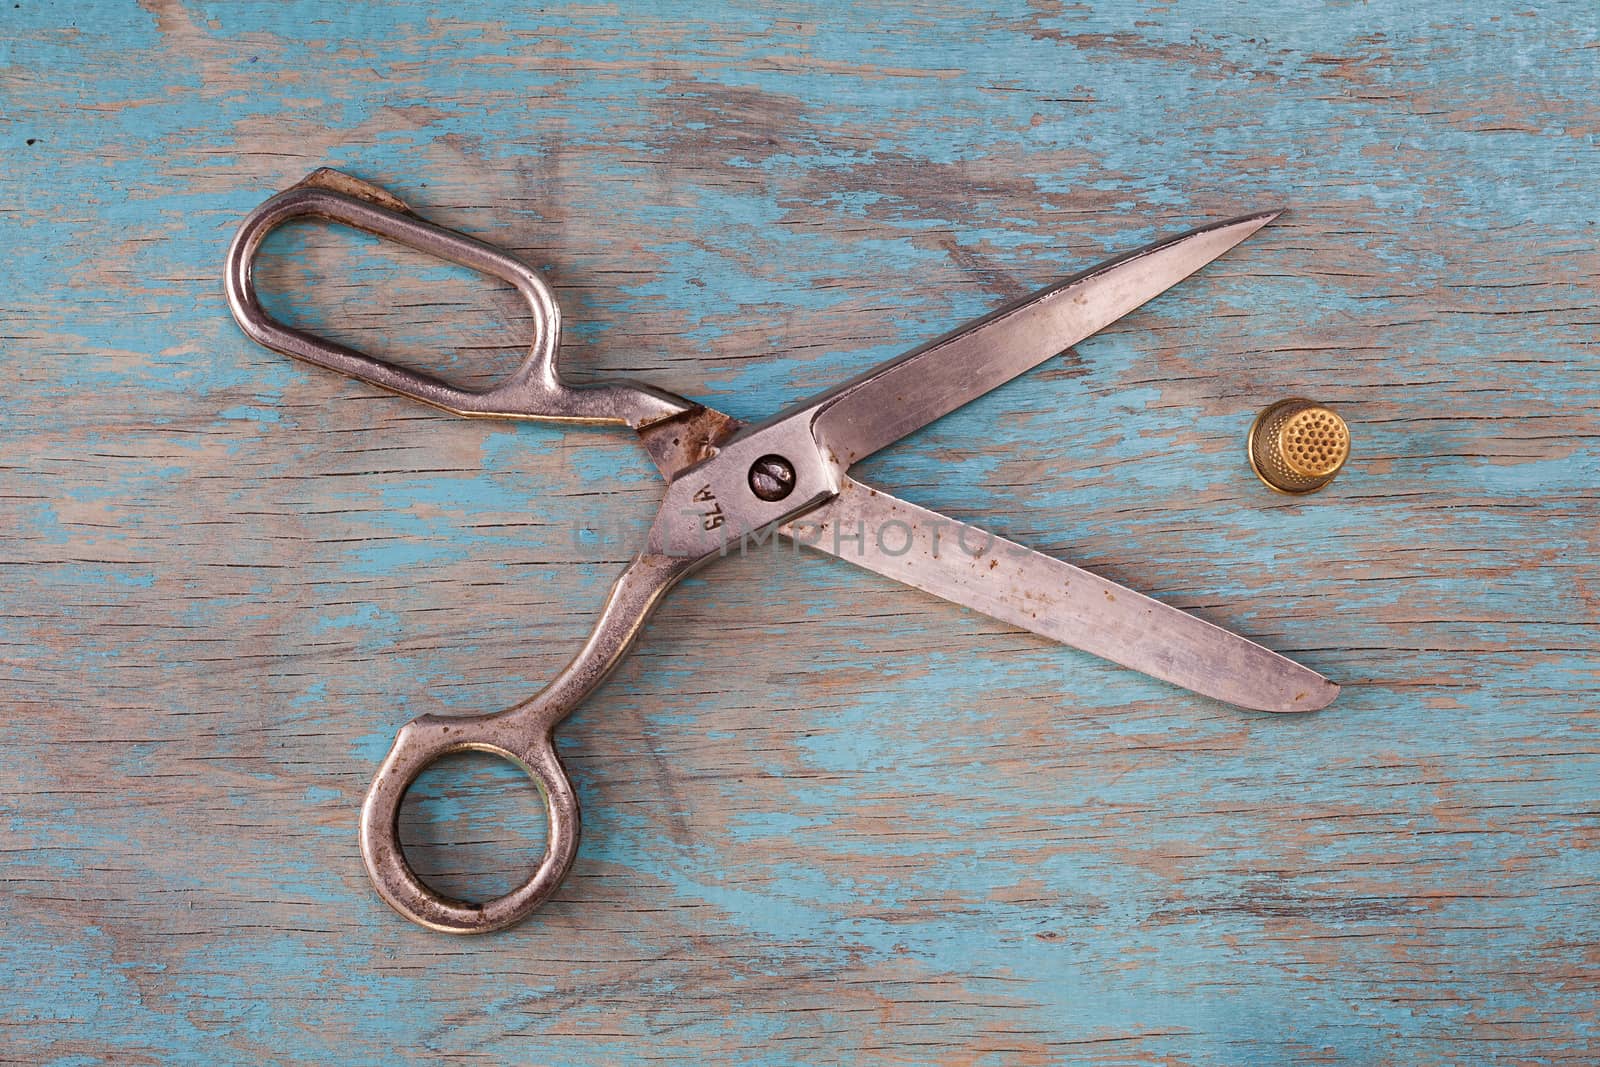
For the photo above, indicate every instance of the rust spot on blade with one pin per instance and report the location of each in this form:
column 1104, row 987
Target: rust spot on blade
column 678, row 443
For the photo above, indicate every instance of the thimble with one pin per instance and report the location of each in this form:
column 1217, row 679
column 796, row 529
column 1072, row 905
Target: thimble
column 1297, row 445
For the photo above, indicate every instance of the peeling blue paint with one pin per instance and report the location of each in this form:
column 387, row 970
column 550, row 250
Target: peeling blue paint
column 1069, row 849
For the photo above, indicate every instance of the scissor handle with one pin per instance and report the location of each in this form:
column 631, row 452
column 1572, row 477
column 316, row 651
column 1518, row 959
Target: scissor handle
column 523, row 735
column 533, row 391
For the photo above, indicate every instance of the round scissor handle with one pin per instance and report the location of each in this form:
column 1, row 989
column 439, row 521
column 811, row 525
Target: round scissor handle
column 421, row 743
column 522, row 735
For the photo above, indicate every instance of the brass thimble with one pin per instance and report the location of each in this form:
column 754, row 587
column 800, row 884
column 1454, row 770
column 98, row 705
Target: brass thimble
column 1297, row 445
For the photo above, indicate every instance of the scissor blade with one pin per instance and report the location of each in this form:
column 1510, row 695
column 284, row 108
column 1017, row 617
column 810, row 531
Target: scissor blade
column 895, row 398
column 1035, row 592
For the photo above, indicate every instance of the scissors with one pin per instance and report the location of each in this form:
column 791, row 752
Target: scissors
column 730, row 484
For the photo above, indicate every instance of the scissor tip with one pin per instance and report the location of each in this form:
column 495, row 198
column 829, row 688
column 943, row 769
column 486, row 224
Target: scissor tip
column 1241, row 226
column 1260, row 218
column 1314, row 696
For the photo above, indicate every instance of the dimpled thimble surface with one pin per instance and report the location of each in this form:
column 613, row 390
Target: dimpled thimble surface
column 1297, row 445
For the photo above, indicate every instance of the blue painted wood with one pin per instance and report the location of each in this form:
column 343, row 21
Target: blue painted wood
column 826, row 819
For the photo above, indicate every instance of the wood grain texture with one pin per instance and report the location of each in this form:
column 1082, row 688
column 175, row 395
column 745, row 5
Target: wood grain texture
column 826, row 819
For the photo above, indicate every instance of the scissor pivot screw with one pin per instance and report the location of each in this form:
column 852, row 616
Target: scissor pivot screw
column 771, row 478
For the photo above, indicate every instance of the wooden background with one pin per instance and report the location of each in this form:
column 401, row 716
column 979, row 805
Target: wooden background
column 827, row 819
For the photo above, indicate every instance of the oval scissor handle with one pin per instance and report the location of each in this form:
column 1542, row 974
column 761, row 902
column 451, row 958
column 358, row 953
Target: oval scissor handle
column 523, row 735
column 534, row 390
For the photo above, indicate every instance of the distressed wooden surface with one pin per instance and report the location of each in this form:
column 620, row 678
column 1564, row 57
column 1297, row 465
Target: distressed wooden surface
column 826, row 819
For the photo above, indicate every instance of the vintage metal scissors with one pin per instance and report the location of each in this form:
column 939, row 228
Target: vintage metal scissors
column 727, row 482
